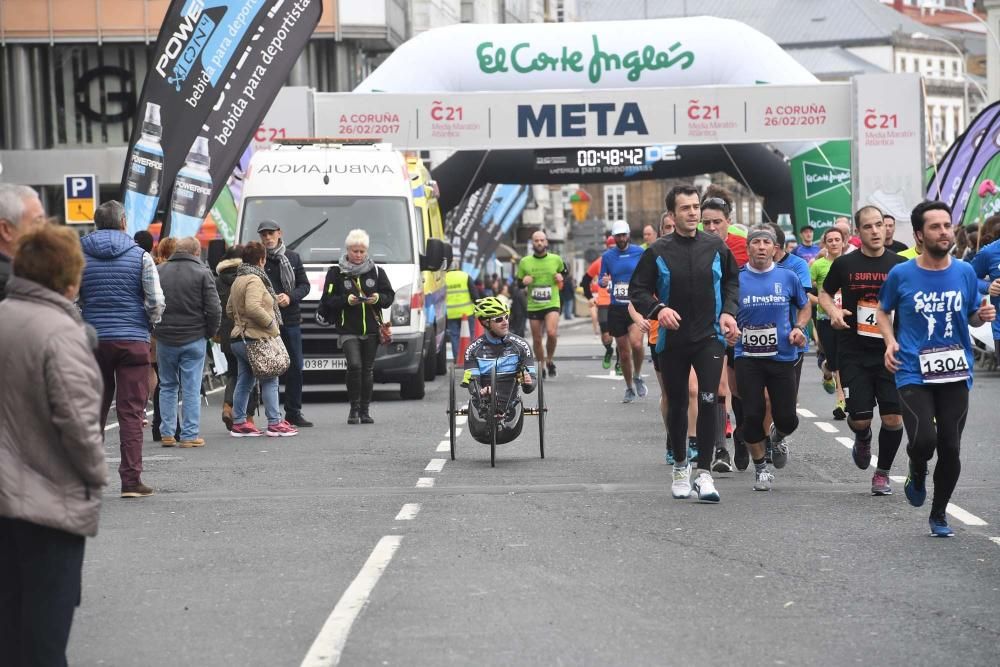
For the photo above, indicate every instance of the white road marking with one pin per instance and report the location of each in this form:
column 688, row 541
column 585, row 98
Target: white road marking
column 826, row 426
column 326, row 650
column 461, row 419
column 436, row 465
column 154, row 457
column 425, row 482
column 610, row 376
column 806, row 413
column 458, row 431
column 444, row 446
column 846, row 442
column 967, row 518
column 995, row 540
column 408, row 512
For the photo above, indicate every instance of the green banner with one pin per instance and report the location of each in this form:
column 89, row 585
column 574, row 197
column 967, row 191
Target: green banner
column 821, row 185
column 223, row 213
column 985, row 201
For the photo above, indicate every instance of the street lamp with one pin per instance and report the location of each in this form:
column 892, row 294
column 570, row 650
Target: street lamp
column 961, row 58
column 986, row 25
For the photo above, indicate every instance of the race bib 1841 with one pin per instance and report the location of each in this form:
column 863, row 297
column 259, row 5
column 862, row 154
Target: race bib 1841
column 944, row 364
column 760, row 341
column 541, row 293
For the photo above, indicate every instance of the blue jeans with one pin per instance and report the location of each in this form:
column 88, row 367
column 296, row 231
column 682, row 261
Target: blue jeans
column 454, row 329
column 291, row 336
column 181, row 368
column 244, row 383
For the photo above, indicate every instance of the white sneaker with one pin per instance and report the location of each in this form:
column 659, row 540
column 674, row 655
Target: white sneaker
column 640, row 387
column 704, row 486
column 763, row 481
column 681, row 487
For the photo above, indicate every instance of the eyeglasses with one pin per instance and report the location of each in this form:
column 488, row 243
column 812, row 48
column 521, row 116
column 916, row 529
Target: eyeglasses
column 499, row 319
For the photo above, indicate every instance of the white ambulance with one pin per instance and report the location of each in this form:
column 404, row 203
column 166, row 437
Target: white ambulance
column 318, row 191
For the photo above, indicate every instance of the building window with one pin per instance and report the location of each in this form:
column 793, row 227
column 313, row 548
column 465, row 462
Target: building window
column 954, row 68
column 614, row 202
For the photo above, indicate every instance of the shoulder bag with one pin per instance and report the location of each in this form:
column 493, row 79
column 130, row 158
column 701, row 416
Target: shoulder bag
column 267, row 356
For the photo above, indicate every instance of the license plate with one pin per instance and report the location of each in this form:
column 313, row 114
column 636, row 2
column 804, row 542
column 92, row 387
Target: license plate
column 327, row 364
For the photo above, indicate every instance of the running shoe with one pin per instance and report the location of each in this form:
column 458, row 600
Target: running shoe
column 704, row 486
column 629, row 395
column 840, row 412
column 606, row 364
column 861, row 452
column 939, row 526
column 681, row 486
column 281, row 430
column 618, row 368
column 692, row 448
column 722, row 462
column 640, row 387
column 763, row 480
column 915, row 487
column 670, row 456
column 552, row 369
column 779, row 449
column 245, row 430
column 880, row 484
column 830, row 385
column 741, row 457
column 729, row 426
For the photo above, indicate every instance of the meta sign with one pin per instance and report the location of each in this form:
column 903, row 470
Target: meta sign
column 80, row 198
column 568, row 118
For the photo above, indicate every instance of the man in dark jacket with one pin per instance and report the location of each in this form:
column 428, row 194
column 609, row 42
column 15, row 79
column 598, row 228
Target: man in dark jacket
column 192, row 315
column 291, row 284
column 120, row 297
column 20, row 212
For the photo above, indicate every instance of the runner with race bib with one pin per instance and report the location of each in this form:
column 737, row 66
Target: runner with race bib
column 861, row 348
column 542, row 275
column 617, row 266
column 935, row 299
column 773, row 314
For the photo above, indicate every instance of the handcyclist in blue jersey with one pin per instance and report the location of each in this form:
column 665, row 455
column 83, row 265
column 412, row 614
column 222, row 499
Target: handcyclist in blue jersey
column 773, row 314
column 935, row 299
column 689, row 283
column 617, row 265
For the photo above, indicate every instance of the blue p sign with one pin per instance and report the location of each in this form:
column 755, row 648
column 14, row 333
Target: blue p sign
column 80, row 198
column 79, row 187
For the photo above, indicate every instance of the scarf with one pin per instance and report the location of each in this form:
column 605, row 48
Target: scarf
column 350, row 269
column 287, row 275
column 254, row 270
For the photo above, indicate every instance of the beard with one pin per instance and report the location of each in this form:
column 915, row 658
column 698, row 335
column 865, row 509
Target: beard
column 937, row 252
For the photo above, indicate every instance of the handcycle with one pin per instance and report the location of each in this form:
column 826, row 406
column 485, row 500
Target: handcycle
column 495, row 406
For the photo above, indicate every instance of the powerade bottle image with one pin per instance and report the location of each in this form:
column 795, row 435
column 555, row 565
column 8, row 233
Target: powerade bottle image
column 190, row 200
column 145, row 173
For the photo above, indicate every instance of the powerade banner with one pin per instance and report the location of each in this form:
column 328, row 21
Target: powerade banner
column 196, row 50
column 262, row 66
column 463, row 226
column 478, row 225
column 821, row 185
column 967, row 166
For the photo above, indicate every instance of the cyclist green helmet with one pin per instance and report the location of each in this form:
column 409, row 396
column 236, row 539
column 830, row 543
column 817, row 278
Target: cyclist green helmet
column 490, row 306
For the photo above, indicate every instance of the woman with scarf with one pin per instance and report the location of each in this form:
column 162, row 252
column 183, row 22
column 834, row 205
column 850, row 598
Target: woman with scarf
column 253, row 308
column 354, row 295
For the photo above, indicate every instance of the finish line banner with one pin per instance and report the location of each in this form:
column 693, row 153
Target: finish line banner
column 554, row 119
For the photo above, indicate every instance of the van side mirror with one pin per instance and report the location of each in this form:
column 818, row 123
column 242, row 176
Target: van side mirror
column 434, row 258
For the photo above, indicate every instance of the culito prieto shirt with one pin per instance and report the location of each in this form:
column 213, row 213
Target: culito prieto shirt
column 769, row 304
column 620, row 264
column 932, row 317
column 543, row 292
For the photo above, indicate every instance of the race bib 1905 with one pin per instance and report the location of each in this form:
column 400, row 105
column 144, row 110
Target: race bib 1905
column 760, row 341
column 944, row 364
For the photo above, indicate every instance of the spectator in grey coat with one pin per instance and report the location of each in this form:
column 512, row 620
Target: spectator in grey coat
column 192, row 315
column 52, row 467
column 21, row 211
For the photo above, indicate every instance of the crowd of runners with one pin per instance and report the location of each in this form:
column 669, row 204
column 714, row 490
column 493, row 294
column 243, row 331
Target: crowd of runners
column 728, row 315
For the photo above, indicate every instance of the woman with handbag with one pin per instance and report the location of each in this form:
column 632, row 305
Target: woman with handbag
column 256, row 342
column 355, row 292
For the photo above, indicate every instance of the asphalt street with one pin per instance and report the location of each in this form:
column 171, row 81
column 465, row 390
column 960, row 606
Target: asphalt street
column 374, row 541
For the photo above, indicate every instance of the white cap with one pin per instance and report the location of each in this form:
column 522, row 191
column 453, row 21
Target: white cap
column 620, row 227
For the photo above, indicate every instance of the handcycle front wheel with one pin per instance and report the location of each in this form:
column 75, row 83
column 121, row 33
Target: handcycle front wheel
column 451, row 411
column 493, row 417
column 541, row 417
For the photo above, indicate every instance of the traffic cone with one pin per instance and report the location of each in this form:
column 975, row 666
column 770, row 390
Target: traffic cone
column 479, row 328
column 463, row 339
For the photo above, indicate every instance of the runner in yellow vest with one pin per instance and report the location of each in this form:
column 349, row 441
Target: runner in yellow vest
column 460, row 300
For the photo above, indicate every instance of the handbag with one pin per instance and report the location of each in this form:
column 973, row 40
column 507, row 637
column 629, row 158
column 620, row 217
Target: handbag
column 384, row 329
column 267, row 356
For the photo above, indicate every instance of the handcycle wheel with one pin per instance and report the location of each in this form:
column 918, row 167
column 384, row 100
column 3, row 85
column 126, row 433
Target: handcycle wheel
column 451, row 411
column 493, row 416
column 541, row 417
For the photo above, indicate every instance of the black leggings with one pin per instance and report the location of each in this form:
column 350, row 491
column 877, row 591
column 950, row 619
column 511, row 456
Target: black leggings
column 753, row 376
column 676, row 362
column 360, row 353
column 948, row 403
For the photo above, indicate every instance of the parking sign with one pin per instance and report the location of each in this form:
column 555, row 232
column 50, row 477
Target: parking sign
column 80, row 197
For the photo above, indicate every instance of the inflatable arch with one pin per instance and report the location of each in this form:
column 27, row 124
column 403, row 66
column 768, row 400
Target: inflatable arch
column 599, row 55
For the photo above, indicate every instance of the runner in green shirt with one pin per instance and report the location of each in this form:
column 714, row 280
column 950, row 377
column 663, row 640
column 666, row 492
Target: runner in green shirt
column 542, row 276
column 833, row 242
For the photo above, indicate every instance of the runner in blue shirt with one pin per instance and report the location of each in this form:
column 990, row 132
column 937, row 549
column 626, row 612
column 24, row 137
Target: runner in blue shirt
column 617, row 266
column 987, row 263
column 935, row 299
column 773, row 312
